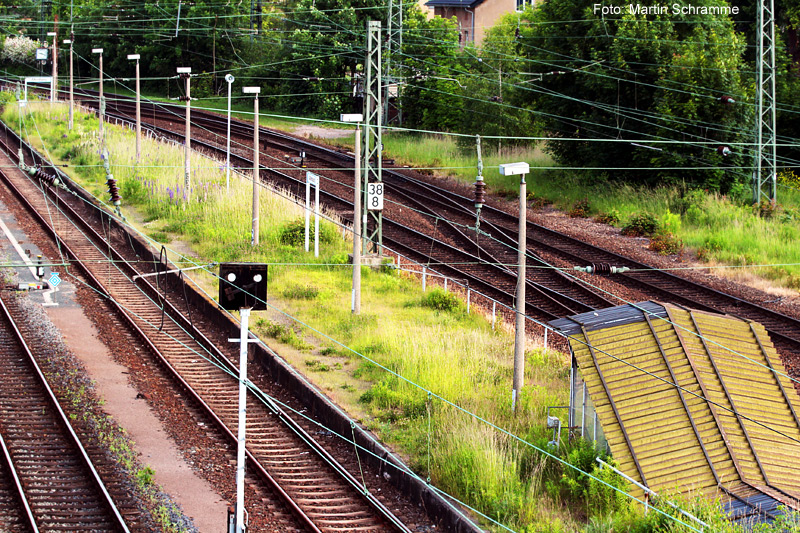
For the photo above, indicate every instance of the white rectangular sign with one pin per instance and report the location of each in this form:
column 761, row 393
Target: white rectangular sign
column 312, row 178
column 375, row 196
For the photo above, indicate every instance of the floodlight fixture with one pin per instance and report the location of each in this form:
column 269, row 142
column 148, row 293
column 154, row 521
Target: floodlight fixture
column 513, row 169
column 351, row 117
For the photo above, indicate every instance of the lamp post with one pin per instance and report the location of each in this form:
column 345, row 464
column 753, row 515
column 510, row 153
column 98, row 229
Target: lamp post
column 102, row 102
column 513, row 169
column 356, row 118
column 256, row 151
column 135, row 57
column 186, row 73
column 229, row 78
column 54, row 81
column 71, row 100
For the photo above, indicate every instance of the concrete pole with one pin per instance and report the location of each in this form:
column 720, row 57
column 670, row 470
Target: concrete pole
column 187, row 165
column 138, row 116
column 356, row 307
column 54, row 81
column 256, row 187
column 244, row 315
column 228, row 78
column 519, row 340
column 102, row 102
column 71, row 95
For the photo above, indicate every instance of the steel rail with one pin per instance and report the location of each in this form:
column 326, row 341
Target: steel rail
column 152, row 292
column 63, row 419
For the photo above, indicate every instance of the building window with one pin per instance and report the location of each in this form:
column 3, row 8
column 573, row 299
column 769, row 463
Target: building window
column 466, row 36
column 520, row 5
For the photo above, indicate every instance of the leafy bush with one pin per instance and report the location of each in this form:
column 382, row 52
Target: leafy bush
column 766, row 209
column 573, row 487
column 580, row 209
column 612, row 217
column 666, row 244
column 441, row 300
column 670, row 223
column 640, row 225
column 294, row 233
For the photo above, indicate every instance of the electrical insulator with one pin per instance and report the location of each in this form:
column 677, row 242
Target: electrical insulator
column 113, row 190
column 184, row 75
column 724, row 151
column 480, row 192
column 183, row 98
column 42, row 176
column 727, row 100
column 602, row 269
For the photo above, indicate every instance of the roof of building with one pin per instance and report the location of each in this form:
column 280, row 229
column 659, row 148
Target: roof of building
column 691, row 400
column 464, row 4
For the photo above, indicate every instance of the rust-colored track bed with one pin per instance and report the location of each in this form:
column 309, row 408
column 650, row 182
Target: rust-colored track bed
column 318, row 493
column 49, row 482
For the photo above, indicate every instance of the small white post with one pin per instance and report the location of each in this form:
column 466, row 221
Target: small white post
column 545, row 338
column 468, row 299
column 424, row 277
column 229, row 78
column 243, row 338
column 445, row 284
column 494, row 314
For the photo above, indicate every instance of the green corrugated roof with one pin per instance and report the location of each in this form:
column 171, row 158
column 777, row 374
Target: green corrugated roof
column 729, row 425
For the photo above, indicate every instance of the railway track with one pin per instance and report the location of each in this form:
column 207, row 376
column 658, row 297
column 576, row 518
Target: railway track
column 49, row 482
column 500, row 228
column 316, row 491
column 444, row 245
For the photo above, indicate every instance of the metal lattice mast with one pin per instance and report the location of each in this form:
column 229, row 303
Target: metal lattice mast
column 394, row 46
column 765, row 171
column 372, row 164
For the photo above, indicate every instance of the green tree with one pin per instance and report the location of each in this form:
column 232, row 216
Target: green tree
column 431, row 62
column 639, row 76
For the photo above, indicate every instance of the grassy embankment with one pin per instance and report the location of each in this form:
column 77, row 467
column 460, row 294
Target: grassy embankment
column 428, row 339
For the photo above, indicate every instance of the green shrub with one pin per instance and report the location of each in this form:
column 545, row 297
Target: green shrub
column 294, row 233
column 612, row 217
column 670, row 223
column 666, row 244
column 640, row 225
column 580, row 209
column 441, row 300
